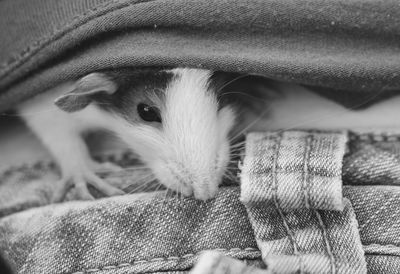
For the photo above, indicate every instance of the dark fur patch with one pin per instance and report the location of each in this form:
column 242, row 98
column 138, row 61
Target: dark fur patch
column 135, row 85
column 4, row 268
column 243, row 90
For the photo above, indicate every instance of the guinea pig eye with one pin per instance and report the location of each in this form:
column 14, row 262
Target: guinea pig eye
column 148, row 113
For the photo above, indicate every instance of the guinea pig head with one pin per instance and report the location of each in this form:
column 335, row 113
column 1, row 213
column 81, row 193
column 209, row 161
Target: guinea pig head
column 172, row 119
column 188, row 150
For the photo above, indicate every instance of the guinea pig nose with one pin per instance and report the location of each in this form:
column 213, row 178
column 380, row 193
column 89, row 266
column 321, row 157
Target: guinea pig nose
column 185, row 189
column 205, row 191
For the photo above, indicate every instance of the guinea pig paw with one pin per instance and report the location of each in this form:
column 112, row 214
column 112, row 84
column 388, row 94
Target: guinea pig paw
column 64, row 184
column 80, row 182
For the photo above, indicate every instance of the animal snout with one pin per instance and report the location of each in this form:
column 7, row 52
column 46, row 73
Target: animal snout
column 205, row 193
column 203, row 189
column 203, row 185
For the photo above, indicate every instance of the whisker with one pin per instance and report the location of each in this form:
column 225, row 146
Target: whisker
column 141, row 179
column 238, row 145
column 250, row 125
column 142, row 186
column 134, row 176
column 237, row 148
column 237, row 154
column 231, row 81
column 158, row 187
column 230, row 176
column 258, row 98
column 233, row 161
column 164, row 200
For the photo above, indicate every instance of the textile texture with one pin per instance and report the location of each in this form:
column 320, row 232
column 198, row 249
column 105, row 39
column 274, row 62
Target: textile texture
column 291, row 185
column 153, row 231
column 342, row 44
column 298, row 220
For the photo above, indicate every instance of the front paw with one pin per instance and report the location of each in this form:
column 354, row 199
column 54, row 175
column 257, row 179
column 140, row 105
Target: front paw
column 80, row 181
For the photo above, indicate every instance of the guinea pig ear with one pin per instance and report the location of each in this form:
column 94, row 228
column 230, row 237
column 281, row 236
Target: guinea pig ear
column 85, row 89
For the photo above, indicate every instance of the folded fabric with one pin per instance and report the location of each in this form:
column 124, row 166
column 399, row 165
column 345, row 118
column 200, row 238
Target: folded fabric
column 341, row 44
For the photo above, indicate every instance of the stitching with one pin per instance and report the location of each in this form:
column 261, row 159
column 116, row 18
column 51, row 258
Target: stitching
column 306, row 189
column 276, row 202
column 376, row 213
column 305, row 183
column 57, row 33
column 328, row 246
column 374, row 137
column 161, row 259
column 307, row 155
column 381, row 246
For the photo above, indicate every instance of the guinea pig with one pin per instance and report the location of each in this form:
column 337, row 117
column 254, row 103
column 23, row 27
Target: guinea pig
column 175, row 120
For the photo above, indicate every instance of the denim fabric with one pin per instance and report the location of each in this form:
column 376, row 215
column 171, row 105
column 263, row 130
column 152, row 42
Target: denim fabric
column 342, row 44
column 132, row 233
column 291, row 185
column 143, row 232
column 373, row 159
column 298, row 169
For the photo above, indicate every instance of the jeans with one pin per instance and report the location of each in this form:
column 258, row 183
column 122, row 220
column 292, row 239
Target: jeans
column 291, row 214
column 292, row 188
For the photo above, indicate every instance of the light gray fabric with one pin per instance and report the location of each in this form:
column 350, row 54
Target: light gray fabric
column 295, row 169
column 131, row 233
column 126, row 234
column 292, row 189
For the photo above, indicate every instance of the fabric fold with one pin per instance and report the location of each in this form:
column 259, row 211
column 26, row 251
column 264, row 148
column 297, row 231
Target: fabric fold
column 342, row 44
column 292, row 188
column 294, row 169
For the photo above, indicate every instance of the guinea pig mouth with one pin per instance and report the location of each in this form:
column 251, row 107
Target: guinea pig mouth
column 179, row 179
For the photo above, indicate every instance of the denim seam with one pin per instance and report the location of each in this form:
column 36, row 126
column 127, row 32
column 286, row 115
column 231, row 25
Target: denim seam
column 389, row 249
column 57, row 33
column 375, row 137
column 160, row 259
column 278, row 140
column 283, row 171
column 305, row 184
column 327, row 243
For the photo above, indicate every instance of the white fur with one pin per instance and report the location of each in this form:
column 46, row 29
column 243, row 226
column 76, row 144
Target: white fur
column 60, row 131
column 190, row 151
